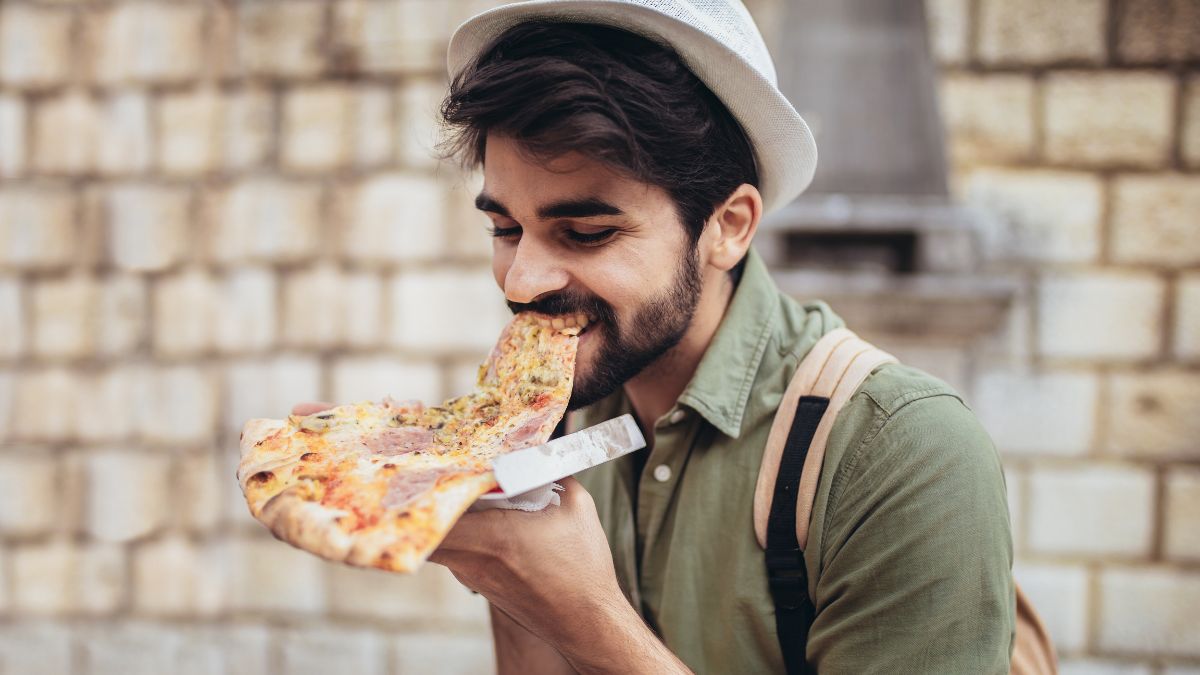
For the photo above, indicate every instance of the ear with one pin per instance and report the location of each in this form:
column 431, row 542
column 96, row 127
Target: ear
column 732, row 226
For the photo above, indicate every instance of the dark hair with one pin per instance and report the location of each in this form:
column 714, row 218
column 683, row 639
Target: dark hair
column 610, row 95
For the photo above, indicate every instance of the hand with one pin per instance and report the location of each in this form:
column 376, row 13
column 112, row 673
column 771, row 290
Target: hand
column 550, row 571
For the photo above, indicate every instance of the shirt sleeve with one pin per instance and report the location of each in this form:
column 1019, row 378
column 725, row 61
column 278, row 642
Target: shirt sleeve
column 916, row 559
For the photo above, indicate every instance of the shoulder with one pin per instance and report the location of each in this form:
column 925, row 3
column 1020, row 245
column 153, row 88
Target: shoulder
column 905, row 419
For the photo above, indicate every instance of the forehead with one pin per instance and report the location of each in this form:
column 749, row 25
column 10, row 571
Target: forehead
column 522, row 182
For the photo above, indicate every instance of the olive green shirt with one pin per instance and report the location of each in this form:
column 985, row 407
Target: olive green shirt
column 909, row 556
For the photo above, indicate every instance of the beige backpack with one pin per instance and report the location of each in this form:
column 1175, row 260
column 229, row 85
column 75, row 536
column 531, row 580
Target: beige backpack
column 829, row 374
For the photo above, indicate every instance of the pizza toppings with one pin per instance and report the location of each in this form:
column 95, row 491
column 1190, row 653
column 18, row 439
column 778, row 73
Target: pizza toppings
column 404, row 489
column 378, row 484
column 400, row 440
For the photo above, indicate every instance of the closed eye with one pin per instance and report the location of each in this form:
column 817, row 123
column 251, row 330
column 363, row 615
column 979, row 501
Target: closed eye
column 504, row 232
column 591, row 237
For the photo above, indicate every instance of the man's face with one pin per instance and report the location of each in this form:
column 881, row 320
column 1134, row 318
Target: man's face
column 573, row 237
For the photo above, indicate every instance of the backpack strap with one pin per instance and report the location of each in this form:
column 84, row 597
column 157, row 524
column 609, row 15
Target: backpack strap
column 832, row 370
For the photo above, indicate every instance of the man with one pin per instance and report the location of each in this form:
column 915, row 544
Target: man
column 629, row 152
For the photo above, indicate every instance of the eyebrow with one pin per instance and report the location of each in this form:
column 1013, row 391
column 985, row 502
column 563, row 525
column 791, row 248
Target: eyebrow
column 586, row 207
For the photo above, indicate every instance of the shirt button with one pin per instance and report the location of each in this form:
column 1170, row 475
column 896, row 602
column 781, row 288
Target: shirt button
column 676, row 417
column 662, row 473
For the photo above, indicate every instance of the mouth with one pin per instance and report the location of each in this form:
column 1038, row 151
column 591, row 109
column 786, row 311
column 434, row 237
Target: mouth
column 578, row 320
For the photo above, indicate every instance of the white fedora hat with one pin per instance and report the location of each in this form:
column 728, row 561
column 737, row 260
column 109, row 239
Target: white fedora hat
column 716, row 39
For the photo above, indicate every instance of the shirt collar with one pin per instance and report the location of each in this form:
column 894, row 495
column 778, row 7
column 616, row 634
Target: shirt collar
column 721, row 385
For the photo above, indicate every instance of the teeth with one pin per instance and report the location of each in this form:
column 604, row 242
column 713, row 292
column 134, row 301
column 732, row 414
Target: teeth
column 579, row 320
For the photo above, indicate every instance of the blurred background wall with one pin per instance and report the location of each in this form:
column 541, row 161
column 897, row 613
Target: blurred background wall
column 212, row 210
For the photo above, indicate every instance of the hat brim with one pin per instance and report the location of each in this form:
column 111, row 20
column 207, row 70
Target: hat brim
column 784, row 148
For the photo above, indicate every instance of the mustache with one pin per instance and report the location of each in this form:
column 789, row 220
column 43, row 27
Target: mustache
column 567, row 303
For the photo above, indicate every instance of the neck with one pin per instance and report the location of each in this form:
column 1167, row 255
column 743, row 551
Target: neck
column 655, row 390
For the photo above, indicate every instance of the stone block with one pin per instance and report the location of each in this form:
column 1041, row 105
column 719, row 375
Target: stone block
column 149, row 226
column 268, row 388
column 418, row 310
column 185, row 311
column 121, row 315
column 361, row 378
column 178, row 406
column 1085, row 666
column 106, row 415
column 190, row 129
column 6, row 403
column 1091, row 510
column 56, row 577
column 949, row 30
column 175, row 577
column 28, row 488
column 467, row 227
column 12, row 136
column 271, row 576
column 35, row 45
column 1187, row 317
column 198, row 491
column 55, row 152
column 36, row 648
column 129, row 649
column 1060, row 594
column 1156, row 31
column 1150, row 610
column 1044, row 216
column 242, row 649
column 63, row 320
column 39, row 399
column 1100, row 119
column 1037, row 412
column 267, row 220
column 324, row 307
column 1152, row 414
column 373, row 125
column 1077, row 319
column 1035, row 32
column 246, row 320
column 1189, row 143
column 149, row 42
column 123, row 146
column 37, row 228
column 1014, row 482
column 139, row 507
column 445, row 653
column 1182, row 536
column 321, row 651
column 988, row 118
column 100, row 578
column 372, row 594
column 248, row 128
column 317, row 127
column 393, row 218
column 12, row 318
column 1156, row 219
column 279, row 39
column 417, row 128
column 391, row 36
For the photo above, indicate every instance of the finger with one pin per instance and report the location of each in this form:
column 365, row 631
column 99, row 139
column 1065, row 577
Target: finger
column 311, row 407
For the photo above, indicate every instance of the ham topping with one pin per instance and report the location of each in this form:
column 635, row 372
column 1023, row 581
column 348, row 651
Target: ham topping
column 404, row 489
column 400, row 440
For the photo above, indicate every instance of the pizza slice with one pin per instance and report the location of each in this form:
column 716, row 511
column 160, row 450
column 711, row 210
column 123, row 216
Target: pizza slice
column 379, row 484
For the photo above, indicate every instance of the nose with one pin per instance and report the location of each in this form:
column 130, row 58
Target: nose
column 534, row 272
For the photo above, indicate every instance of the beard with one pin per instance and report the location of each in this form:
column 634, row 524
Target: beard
column 654, row 329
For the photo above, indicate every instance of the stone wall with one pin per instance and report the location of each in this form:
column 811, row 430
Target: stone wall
column 1074, row 129
column 212, row 210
